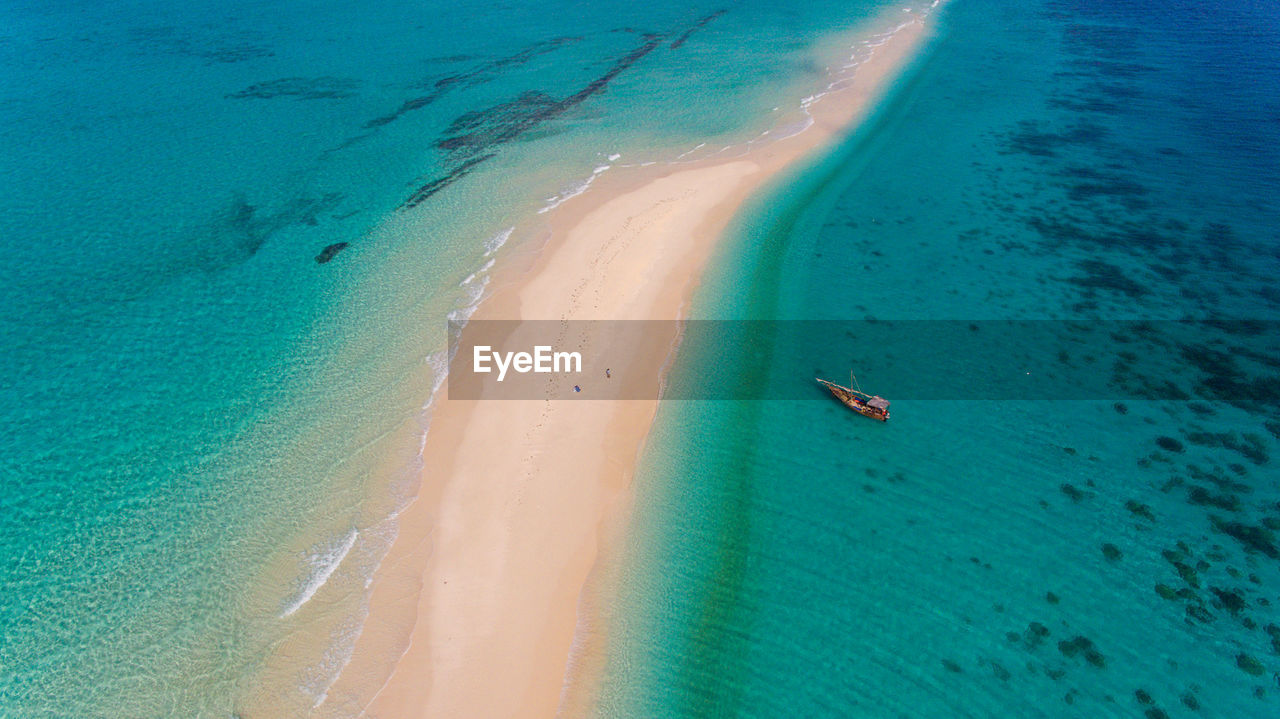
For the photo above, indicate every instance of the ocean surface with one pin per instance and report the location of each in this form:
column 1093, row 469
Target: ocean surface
column 232, row 234
column 1113, row 555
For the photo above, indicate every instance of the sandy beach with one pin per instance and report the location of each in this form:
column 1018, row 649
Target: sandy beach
column 478, row 607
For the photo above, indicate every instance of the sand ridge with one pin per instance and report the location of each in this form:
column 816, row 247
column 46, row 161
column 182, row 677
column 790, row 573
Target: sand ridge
column 478, row 606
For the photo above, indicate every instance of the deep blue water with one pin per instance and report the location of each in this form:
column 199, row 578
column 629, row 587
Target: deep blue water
column 1116, row 557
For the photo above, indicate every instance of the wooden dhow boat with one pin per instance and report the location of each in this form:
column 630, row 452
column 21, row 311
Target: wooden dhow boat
column 873, row 406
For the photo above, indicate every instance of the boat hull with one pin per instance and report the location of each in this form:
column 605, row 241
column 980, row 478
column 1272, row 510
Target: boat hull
column 856, row 403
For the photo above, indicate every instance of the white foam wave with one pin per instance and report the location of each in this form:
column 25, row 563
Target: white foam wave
column 472, row 277
column 495, row 243
column 375, row 541
column 862, row 51
column 691, row 150
column 324, row 562
column 474, row 293
column 573, row 191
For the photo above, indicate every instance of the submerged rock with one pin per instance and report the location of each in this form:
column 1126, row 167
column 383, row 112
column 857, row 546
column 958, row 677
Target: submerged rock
column 331, row 251
column 1138, row 509
column 1112, row 552
column 1034, row 635
column 302, row 88
column 1082, row 646
column 1199, row 613
column 1203, row 497
column 1253, row 539
column 1247, row 444
column 1230, row 600
column 1074, row 493
column 1169, row 444
column 1188, row 575
column 1249, row 664
column 1218, row 478
column 1274, row 632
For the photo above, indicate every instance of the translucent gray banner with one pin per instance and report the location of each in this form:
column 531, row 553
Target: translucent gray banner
column 1231, row 360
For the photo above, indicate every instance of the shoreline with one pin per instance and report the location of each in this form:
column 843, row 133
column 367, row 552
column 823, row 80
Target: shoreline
column 485, row 604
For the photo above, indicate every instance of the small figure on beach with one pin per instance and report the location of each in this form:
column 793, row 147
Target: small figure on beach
column 576, row 388
column 606, row 373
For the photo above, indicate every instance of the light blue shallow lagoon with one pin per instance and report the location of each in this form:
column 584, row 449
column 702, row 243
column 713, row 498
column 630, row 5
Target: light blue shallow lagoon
column 1108, row 557
column 232, row 235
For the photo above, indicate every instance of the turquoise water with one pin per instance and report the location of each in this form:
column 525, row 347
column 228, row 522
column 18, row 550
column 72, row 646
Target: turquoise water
column 204, row 431
column 1054, row 159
